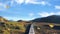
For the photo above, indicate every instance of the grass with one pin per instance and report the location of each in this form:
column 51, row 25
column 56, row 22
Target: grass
column 8, row 27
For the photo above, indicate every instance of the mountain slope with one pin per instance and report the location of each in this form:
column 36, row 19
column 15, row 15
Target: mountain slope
column 3, row 19
column 51, row 19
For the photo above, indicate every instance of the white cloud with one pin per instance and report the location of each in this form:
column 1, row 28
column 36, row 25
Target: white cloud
column 45, row 14
column 18, row 18
column 31, row 14
column 12, row 2
column 37, row 2
column 58, row 13
column 2, row 6
column 45, row 3
column 19, row 1
column 57, row 7
column 10, row 18
column 32, row 2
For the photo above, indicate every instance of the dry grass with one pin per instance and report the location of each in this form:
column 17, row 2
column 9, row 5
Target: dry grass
column 8, row 27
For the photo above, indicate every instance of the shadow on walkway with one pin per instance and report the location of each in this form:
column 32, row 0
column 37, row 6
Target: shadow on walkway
column 27, row 29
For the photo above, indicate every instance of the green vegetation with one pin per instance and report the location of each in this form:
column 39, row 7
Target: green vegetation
column 8, row 27
column 12, row 27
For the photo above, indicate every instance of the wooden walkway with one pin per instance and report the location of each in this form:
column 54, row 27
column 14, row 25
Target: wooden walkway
column 31, row 31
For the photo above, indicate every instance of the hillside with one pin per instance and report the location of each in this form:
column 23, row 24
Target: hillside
column 50, row 19
column 3, row 19
column 11, row 27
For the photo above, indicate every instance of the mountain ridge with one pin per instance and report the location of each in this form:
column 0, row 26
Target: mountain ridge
column 50, row 19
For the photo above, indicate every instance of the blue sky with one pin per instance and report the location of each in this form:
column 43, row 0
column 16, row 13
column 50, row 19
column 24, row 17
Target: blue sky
column 28, row 9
